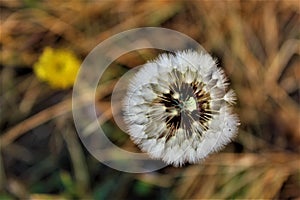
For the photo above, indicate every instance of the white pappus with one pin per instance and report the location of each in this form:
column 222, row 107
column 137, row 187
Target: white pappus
column 178, row 108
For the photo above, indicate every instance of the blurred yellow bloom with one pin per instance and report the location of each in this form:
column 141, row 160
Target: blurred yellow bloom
column 57, row 67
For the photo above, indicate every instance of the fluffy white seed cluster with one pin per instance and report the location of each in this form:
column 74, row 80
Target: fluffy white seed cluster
column 178, row 108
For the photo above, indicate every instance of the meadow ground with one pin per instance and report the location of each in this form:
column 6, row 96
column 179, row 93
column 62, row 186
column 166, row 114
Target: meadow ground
column 256, row 42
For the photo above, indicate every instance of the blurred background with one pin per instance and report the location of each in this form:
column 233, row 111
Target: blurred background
column 42, row 46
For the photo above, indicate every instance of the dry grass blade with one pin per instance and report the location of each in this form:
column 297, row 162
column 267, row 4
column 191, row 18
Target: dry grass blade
column 59, row 109
column 34, row 121
column 238, row 176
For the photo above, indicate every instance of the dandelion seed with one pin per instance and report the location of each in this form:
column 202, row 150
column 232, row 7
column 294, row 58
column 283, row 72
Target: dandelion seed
column 230, row 97
column 177, row 108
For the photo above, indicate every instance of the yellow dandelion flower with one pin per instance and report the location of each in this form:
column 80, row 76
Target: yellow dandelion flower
column 57, row 67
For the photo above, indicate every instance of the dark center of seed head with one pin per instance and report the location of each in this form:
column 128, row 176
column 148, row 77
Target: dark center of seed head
column 185, row 103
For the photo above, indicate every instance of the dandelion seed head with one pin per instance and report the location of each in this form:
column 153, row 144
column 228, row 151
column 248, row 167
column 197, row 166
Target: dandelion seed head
column 177, row 108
